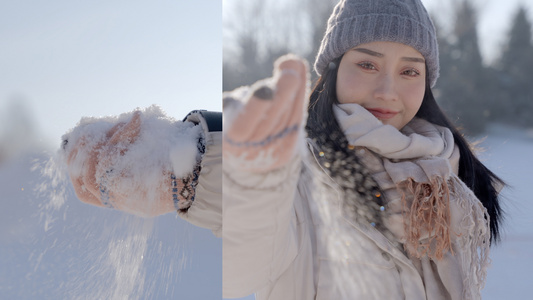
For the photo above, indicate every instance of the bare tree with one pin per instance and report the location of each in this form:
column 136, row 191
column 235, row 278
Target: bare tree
column 257, row 32
column 318, row 12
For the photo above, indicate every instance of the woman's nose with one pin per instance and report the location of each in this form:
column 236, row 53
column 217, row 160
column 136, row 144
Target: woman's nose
column 385, row 88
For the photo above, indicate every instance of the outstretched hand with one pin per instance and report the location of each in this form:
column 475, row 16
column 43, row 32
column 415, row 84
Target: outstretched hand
column 98, row 181
column 264, row 133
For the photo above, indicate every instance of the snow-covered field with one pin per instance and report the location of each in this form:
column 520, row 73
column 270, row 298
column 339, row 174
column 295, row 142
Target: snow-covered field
column 508, row 153
column 76, row 251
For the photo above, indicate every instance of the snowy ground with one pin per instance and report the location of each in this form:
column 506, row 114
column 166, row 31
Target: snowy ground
column 77, row 251
column 508, row 153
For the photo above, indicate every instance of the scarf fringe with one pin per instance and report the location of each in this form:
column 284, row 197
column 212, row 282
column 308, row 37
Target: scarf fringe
column 476, row 244
column 428, row 228
column 428, row 215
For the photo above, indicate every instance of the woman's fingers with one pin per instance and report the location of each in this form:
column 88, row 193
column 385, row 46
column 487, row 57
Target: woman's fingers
column 268, row 105
column 294, row 113
column 252, row 114
column 83, row 193
column 84, row 187
column 287, row 86
column 86, row 183
column 268, row 138
column 118, row 138
column 128, row 133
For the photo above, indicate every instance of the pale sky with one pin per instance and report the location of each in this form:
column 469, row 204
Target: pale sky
column 69, row 59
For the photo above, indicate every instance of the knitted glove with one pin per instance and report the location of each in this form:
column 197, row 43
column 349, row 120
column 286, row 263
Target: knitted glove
column 130, row 162
column 261, row 134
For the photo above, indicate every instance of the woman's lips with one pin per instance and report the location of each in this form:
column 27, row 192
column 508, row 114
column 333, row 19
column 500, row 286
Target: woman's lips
column 382, row 114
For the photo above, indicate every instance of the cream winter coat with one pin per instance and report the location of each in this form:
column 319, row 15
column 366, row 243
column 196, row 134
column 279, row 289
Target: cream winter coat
column 286, row 236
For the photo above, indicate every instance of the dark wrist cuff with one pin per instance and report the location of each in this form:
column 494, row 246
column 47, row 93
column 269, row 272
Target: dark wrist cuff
column 213, row 119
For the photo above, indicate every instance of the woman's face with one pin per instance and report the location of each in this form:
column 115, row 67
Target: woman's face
column 386, row 78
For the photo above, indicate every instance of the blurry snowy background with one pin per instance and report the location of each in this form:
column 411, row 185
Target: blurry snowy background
column 62, row 60
column 486, row 55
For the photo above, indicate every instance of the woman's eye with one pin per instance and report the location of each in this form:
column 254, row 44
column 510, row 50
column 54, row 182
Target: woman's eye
column 411, row 72
column 367, row 66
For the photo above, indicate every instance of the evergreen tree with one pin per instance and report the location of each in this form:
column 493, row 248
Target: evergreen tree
column 463, row 93
column 515, row 69
column 246, row 27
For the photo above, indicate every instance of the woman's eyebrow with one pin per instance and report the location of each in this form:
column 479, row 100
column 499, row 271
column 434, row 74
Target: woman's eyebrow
column 414, row 59
column 369, row 52
column 377, row 54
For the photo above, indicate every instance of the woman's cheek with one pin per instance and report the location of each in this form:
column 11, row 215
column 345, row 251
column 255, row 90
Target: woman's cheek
column 415, row 94
column 350, row 89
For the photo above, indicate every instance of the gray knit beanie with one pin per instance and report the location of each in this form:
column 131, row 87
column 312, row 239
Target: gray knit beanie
column 355, row 22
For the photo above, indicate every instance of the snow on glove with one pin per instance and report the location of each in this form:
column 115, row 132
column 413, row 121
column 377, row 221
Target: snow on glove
column 141, row 162
column 262, row 134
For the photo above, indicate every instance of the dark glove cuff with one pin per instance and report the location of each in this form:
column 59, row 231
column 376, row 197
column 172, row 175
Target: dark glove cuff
column 213, row 119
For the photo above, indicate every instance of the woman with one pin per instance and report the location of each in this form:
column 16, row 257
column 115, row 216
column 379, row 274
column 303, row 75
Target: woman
column 385, row 200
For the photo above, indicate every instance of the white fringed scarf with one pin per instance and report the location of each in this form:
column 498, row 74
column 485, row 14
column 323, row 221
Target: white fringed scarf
column 440, row 214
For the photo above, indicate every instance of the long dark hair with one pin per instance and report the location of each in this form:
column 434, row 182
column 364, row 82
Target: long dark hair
column 322, row 126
